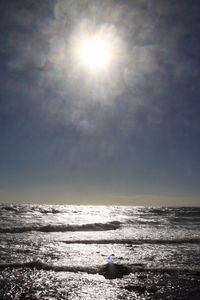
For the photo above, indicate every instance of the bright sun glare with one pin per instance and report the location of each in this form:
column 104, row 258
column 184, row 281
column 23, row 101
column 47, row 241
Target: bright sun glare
column 95, row 53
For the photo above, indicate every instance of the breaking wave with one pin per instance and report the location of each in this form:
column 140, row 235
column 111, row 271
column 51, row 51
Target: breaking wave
column 39, row 265
column 135, row 241
column 64, row 228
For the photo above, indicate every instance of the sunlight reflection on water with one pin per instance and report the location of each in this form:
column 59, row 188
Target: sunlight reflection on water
column 140, row 239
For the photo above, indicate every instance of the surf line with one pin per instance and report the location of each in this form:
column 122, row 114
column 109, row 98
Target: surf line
column 109, row 271
column 134, row 242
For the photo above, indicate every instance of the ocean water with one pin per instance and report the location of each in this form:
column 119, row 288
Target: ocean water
column 62, row 252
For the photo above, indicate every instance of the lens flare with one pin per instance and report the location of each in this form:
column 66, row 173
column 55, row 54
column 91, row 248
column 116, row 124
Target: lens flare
column 110, row 259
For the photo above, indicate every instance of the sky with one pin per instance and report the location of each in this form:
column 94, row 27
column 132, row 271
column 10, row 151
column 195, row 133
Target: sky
column 124, row 134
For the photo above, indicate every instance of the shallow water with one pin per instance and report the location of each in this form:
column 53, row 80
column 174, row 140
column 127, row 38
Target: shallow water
column 58, row 252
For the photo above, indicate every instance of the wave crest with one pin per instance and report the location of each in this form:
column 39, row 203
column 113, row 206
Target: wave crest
column 65, row 228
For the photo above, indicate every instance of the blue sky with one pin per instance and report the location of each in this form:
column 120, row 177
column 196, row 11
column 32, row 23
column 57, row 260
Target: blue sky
column 127, row 136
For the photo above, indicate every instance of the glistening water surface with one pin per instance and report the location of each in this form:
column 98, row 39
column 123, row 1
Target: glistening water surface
column 61, row 252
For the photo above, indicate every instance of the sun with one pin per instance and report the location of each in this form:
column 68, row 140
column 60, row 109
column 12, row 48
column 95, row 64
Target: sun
column 95, row 53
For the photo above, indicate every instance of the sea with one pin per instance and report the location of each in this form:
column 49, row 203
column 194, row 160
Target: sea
column 52, row 252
